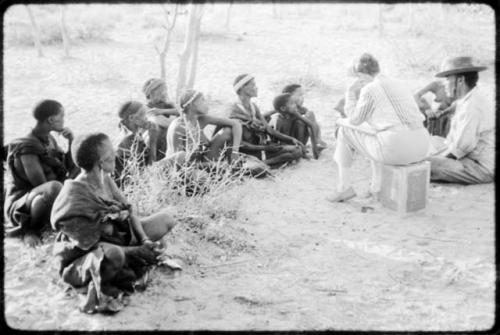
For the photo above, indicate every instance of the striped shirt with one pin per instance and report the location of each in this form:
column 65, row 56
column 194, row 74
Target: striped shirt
column 472, row 130
column 384, row 103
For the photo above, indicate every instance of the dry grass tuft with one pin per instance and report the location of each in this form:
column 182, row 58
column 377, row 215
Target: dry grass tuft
column 201, row 198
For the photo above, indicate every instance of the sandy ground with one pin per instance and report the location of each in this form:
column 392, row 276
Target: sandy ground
column 304, row 263
column 312, row 265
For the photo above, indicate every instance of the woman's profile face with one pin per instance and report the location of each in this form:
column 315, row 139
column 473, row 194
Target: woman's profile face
column 139, row 118
column 251, row 88
column 107, row 156
column 200, row 105
column 298, row 96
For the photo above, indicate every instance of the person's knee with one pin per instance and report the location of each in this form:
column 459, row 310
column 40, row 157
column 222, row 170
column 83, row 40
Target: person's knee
column 168, row 221
column 53, row 189
column 227, row 134
column 114, row 257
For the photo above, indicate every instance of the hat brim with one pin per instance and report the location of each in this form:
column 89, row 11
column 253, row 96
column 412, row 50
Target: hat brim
column 461, row 70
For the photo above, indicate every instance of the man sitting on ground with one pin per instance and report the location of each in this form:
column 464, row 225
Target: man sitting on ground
column 303, row 129
column 161, row 111
column 467, row 155
column 288, row 121
column 256, row 130
column 133, row 149
column 38, row 167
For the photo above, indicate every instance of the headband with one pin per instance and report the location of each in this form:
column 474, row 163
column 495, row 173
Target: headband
column 193, row 98
column 151, row 85
column 242, row 82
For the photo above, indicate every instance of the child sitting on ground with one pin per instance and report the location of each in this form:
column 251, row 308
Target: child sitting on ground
column 437, row 113
column 288, row 122
column 301, row 127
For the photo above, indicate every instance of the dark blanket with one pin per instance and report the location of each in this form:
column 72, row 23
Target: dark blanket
column 84, row 220
column 53, row 162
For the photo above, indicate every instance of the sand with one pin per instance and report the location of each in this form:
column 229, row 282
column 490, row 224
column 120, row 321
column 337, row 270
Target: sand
column 313, row 265
column 283, row 258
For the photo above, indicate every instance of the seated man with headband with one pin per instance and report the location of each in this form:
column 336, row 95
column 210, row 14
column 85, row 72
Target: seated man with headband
column 256, row 130
column 185, row 133
column 161, row 111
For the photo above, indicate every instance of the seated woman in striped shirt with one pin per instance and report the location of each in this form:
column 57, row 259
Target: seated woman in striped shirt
column 384, row 124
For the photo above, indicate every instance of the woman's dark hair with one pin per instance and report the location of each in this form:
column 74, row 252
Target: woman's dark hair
column 45, row 109
column 281, row 101
column 470, row 78
column 367, row 64
column 85, row 149
column 290, row 88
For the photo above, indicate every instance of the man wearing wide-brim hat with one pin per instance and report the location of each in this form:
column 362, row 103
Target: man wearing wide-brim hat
column 468, row 152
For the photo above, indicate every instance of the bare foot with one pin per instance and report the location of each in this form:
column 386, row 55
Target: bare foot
column 31, row 239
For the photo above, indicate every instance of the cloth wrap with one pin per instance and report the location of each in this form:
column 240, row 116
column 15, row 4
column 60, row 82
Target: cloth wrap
column 80, row 216
column 52, row 160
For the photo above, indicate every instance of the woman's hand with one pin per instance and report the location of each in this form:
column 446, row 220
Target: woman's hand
column 358, row 84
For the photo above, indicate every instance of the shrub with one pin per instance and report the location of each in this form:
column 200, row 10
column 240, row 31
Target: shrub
column 201, row 197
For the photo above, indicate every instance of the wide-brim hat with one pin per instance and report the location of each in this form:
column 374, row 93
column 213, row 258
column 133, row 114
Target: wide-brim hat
column 462, row 64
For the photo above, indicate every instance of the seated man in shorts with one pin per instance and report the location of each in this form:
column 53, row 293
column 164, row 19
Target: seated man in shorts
column 281, row 148
column 289, row 119
column 161, row 111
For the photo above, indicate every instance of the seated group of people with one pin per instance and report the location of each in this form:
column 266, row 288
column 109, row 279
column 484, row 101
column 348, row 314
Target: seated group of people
column 386, row 123
column 161, row 132
column 103, row 247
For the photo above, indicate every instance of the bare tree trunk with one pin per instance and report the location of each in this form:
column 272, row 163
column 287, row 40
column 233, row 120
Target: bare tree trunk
column 169, row 27
column 411, row 18
column 64, row 32
column 276, row 13
column 35, row 31
column 195, row 12
column 442, row 13
column 194, row 54
column 228, row 15
column 380, row 20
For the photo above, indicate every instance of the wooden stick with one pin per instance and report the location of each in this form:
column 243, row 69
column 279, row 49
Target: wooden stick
column 224, row 264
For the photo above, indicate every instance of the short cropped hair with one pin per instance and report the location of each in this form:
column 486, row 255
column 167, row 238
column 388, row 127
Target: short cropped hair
column 290, row 88
column 129, row 108
column 45, row 109
column 281, row 101
column 85, row 149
